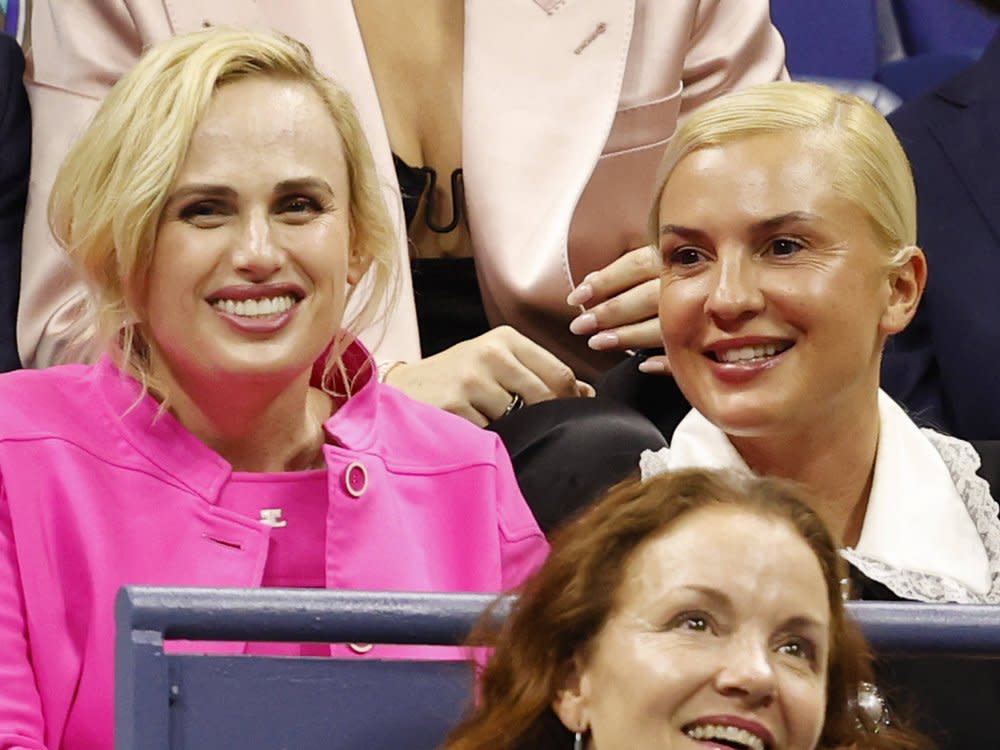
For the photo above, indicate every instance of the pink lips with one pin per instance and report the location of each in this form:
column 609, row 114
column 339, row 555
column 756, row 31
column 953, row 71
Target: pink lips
column 736, row 373
column 754, row 727
column 263, row 324
column 242, row 292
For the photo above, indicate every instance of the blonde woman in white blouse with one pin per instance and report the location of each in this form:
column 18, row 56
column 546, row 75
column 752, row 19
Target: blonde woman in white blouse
column 785, row 218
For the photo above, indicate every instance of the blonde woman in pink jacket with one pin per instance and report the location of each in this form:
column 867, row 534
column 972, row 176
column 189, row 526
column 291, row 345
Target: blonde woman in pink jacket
column 224, row 208
column 516, row 142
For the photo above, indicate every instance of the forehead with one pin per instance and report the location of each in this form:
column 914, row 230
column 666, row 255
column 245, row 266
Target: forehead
column 265, row 124
column 759, row 564
column 766, row 174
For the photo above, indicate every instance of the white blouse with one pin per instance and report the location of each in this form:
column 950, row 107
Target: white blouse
column 931, row 531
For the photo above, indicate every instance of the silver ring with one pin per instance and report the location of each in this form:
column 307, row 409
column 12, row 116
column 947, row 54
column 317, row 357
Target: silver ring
column 516, row 402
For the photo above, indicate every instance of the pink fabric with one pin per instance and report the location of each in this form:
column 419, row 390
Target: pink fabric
column 296, row 551
column 94, row 496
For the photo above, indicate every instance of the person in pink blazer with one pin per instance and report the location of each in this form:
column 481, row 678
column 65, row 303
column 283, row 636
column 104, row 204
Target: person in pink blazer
column 224, row 210
column 552, row 114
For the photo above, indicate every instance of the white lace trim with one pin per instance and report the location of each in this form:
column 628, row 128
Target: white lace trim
column 962, row 462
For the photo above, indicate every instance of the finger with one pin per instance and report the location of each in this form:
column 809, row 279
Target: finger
column 538, row 375
column 644, row 335
column 496, row 401
column 585, row 390
column 631, row 269
column 473, row 415
column 655, row 365
column 631, row 306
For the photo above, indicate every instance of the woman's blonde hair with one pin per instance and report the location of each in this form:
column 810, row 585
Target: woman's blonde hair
column 108, row 197
column 872, row 170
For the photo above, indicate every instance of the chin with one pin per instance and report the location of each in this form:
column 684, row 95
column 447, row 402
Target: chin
column 745, row 416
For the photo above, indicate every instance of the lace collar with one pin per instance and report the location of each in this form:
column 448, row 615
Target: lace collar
column 931, row 531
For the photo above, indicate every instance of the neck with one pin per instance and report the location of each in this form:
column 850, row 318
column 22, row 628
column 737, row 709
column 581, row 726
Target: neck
column 834, row 461
column 256, row 424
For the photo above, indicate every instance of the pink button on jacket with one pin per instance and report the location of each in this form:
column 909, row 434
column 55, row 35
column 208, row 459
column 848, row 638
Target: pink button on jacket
column 95, row 496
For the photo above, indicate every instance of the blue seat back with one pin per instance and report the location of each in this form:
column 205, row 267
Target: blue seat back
column 943, row 26
column 829, row 39
column 173, row 701
column 167, row 701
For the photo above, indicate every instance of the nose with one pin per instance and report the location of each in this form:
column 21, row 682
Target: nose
column 735, row 293
column 747, row 674
column 256, row 255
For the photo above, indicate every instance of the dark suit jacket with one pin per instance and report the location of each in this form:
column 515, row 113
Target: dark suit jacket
column 15, row 159
column 945, row 368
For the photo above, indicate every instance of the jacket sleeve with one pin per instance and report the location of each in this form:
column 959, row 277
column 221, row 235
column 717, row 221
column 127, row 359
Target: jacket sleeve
column 78, row 51
column 21, row 723
column 523, row 548
column 732, row 45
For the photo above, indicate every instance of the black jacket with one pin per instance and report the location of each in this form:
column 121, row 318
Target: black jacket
column 15, row 160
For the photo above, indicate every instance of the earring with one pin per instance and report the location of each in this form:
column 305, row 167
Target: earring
column 578, row 741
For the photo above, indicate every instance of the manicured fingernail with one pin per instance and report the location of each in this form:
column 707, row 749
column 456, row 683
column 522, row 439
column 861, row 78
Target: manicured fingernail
column 580, row 295
column 603, row 340
column 585, row 390
column 583, row 324
column 652, row 367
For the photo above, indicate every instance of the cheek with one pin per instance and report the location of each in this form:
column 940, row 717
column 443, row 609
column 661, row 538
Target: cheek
column 806, row 706
column 681, row 303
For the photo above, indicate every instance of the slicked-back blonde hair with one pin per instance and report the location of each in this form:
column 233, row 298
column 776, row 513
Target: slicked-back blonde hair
column 872, row 170
column 111, row 190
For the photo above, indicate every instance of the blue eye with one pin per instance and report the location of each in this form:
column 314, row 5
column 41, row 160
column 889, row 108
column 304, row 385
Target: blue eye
column 784, row 247
column 300, row 205
column 684, row 256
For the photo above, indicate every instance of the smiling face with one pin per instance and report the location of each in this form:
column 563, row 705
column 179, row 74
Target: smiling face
column 253, row 253
column 775, row 295
column 721, row 631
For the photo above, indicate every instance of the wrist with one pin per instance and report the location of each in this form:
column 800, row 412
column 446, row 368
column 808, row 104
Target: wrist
column 383, row 369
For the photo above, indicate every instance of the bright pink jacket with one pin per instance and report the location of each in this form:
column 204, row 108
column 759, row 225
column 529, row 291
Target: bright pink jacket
column 95, row 496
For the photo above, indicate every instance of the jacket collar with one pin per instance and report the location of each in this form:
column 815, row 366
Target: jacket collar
column 915, row 520
column 162, row 440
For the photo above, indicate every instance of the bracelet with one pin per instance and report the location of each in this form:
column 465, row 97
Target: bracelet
column 383, row 369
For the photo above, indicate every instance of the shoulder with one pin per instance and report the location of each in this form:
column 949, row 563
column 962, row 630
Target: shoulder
column 416, row 433
column 44, row 400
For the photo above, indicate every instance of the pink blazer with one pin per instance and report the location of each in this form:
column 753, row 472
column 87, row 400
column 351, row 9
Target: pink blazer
column 567, row 105
column 94, row 496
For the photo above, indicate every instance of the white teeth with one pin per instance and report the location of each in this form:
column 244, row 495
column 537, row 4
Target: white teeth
column 726, row 733
column 745, row 353
column 255, row 308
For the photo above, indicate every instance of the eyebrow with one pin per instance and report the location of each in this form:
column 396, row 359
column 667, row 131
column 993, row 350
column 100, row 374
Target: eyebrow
column 714, row 595
column 210, row 190
column 799, row 622
column 303, row 183
column 765, row 225
column 206, row 189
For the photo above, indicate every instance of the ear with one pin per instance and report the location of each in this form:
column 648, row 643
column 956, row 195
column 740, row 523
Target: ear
column 906, row 287
column 570, row 703
column 357, row 263
column 359, row 260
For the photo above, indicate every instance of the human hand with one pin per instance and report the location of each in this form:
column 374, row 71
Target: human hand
column 620, row 303
column 477, row 379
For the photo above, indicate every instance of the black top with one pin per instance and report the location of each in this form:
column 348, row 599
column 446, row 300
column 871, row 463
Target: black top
column 446, row 290
column 15, row 157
